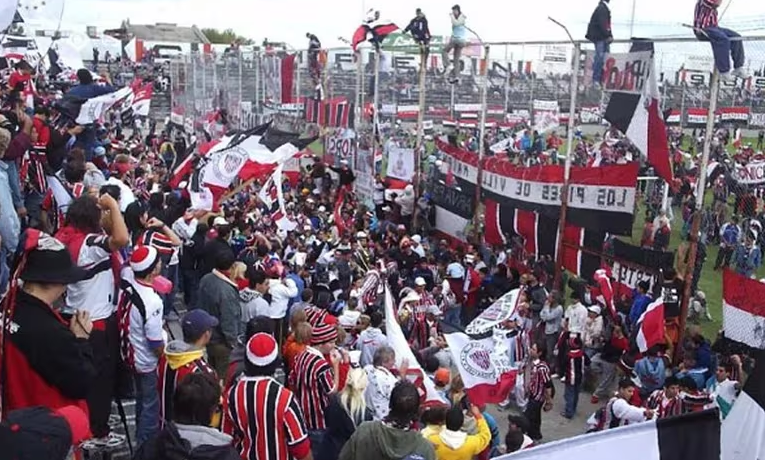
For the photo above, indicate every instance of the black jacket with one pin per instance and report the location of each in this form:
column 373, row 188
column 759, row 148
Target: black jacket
column 419, row 29
column 170, row 445
column 599, row 28
column 340, row 428
column 210, row 254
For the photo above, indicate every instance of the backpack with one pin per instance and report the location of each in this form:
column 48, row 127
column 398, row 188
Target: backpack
column 128, row 298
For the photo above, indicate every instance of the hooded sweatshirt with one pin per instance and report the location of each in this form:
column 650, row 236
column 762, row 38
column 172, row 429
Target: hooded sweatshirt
column 180, row 359
column 188, row 442
column 458, row 445
column 369, row 341
column 379, row 441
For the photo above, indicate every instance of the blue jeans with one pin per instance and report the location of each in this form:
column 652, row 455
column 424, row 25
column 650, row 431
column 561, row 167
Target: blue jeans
column 146, row 406
column 571, row 396
column 316, row 437
column 723, row 46
column 601, row 49
column 15, row 183
column 452, row 316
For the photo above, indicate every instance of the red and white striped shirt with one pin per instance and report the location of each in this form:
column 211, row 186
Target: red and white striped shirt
column 539, row 380
column 312, row 381
column 705, row 15
column 664, row 407
column 265, row 420
column 168, row 377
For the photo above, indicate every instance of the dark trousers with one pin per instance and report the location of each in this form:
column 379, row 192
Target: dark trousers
column 601, row 49
column 104, row 340
column 724, row 48
column 723, row 257
column 281, row 329
column 533, row 414
column 218, row 355
column 190, row 282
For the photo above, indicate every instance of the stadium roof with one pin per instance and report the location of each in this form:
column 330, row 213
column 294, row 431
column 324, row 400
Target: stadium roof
column 163, row 32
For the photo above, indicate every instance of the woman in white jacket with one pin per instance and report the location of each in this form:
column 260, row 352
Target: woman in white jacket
column 282, row 289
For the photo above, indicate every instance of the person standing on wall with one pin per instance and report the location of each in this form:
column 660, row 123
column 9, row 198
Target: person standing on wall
column 600, row 34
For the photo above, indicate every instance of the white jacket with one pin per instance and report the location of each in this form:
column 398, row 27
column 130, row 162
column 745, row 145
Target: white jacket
column 281, row 293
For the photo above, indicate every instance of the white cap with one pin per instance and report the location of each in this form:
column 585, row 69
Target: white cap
column 420, row 281
column 219, row 221
column 455, row 271
column 361, row 235
column 322, row 209
column 594, row 309
column 343, row 162
column 417, row 239
column 434, row 310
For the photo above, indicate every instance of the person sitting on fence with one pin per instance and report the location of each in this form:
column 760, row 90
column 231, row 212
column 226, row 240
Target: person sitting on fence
column 418, row 27
column 725, row 42
column 457, row 41
column 314, row 49
column 599, row 33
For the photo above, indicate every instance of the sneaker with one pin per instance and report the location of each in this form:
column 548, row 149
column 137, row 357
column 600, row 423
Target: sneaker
column 727, row 76
column 740, row 73
column 563, row 379
column 111, row 441
column 554, row 376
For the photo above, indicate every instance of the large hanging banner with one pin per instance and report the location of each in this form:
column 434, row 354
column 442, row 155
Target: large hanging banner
column 339, row 144
column 751, row 173
column 272, row 79
column 623, row 72
column 600, row 198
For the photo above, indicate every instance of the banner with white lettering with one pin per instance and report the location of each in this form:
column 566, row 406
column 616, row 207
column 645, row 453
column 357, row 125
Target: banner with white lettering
column 757, row 120
column 751, row 174
column 590, row 115
column 634, row 264
column 546, row 116
column 400, row 163
column 623, row 72
column 598, row 198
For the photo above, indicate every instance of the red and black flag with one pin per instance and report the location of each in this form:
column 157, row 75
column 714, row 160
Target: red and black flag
column 333, row 113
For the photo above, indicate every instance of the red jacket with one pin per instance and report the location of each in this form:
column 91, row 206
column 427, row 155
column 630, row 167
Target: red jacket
column 46, row 365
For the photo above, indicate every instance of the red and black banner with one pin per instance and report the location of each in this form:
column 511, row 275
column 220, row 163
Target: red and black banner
column 332, row 113
column 600, row 199
column 633, row 264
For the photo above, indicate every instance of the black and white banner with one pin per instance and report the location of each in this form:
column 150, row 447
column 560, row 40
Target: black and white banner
column 751, row 173
column 598, row 198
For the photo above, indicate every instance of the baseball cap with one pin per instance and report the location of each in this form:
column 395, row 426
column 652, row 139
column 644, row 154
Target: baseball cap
column 48, row 260
column 420, row 281
column 196, row 322
column 40, row 433
column 219, row 221
column 442, row 376
column 455, row 271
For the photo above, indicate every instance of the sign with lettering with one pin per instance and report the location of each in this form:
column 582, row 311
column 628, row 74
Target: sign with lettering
column 339, row 145
column 751, row 174
column 624, row 72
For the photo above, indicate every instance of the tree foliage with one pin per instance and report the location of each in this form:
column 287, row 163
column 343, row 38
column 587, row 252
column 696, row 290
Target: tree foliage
column 225, row 37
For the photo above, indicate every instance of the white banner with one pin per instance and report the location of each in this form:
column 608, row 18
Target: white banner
column 590, row 115
column 364, row 170
column 546, row 116
column 339, row 145
column 751, row 174
column 757, row 119
column 94, row 108
column 400, row 163
column 272, row 78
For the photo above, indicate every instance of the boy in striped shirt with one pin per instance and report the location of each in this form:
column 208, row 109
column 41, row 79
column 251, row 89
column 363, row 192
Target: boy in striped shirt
column 725, row 42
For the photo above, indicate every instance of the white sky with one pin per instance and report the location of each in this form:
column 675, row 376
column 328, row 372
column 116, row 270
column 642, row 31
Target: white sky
column 288, row 20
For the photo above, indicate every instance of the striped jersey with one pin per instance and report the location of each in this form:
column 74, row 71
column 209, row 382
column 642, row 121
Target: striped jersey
column 315, row 315
column 664, row 407
column 161, row 242
column 169, row 378
column 265, row 420
column 312, row 381
column 539, row 380
column 705, row 15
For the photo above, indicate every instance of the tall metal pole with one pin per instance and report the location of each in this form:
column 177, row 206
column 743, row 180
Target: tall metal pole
column 481, row 134
column 700, row 189
column 507, row 83
column 376, row 100
column 632, row 20
column 569, row 154
column 239, row 103
column 419, row 147
column 298, row 61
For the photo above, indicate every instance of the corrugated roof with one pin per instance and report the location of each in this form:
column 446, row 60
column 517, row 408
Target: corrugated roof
column 167, row 33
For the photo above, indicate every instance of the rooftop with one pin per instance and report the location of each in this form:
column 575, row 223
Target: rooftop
column 164, row 32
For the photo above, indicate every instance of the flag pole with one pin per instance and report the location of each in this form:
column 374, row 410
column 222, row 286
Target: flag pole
column 419, row 148
column 376, row 100
column 569, row 154
column 700, row 189
column 481, row 136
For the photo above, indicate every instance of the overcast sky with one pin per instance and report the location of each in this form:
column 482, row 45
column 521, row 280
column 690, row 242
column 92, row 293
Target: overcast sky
column 288, row 20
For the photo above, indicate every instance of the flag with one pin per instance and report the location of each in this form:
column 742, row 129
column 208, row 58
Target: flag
column 377, row 28
column 633, row 264
column 94, row 108
column 288, row 76
column 142, row 100
column 639, row 117
column 334, row 113
column 400, row 345
column 272, row 195
column 743, row 430
column 603, row 281
column 651, row 326
column 743, row 310
column 694, row 436
column 484, row 368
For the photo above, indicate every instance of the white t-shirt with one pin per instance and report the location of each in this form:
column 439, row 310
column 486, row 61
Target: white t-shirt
column 577, row 318
column 141, row 334
column 96, row 294
column 377, row 393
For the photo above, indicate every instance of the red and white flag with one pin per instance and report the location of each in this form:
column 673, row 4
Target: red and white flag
column 744, row 309
column 651, row 326
column 488, row 378
column 142, row 100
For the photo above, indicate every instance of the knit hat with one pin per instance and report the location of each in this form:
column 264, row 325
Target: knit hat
column 323, row 333
column 38, row 432
column 262, row 350
column 143, row 259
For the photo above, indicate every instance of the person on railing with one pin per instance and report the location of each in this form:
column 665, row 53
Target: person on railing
column 314, row 49
column 707, row 28
column 599, row 33
column 418, row 27
column 457, row 41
